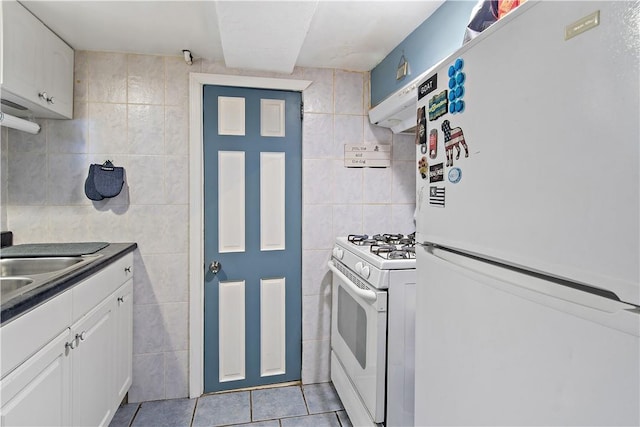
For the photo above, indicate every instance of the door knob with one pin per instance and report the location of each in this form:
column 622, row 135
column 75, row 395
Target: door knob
column 214, row 267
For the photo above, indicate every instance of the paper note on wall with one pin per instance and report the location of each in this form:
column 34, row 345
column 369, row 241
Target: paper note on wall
column 362, row 156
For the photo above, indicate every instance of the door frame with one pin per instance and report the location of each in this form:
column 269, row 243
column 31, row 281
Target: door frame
column 196, row 205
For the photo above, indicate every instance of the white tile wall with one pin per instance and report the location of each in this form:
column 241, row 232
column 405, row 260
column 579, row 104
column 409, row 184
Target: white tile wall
column 106, row 77
column 317, row 135
column 349, row 93
column 347, row 130
column 176, row 366
column 133, row 109
column 149, row 373
column 22, row 142
column 146, row 129
column 71, row 136
column 27, row 179
column 315, row 361
column 146, row 77
column 108, row 128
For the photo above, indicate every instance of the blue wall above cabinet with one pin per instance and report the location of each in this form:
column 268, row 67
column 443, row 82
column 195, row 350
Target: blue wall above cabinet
column 437, row 37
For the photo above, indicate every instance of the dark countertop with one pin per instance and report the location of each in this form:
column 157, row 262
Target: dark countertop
column 29, row 300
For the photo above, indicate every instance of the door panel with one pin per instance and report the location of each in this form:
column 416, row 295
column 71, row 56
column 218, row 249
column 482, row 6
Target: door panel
column 272, row 327
column 231, row 201
column 252, row 209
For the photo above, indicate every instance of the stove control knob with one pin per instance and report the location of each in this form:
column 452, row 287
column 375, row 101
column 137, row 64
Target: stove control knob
column 338, row 253
column 359, row 267
column 364, row 271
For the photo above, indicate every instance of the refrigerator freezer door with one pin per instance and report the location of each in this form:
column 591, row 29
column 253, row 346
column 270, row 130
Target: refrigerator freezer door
column 495, row 350
column 551, row 182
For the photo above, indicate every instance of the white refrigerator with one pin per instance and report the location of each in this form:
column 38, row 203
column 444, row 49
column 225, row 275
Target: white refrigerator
column 528, row 295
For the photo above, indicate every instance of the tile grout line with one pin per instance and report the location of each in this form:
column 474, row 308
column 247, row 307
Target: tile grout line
column 193, row 415
column 250, row 406
column 134, row 414
column 304, row 398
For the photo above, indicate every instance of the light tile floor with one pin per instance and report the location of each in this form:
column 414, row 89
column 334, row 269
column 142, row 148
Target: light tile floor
column 312, row 405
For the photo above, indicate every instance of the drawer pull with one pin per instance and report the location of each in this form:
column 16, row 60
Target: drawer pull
column 127, row 269
column 81, row 336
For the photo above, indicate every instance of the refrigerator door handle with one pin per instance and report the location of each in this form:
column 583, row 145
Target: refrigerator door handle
column 488, row 274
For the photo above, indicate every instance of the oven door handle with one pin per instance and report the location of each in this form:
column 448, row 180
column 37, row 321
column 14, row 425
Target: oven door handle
column 366, row 294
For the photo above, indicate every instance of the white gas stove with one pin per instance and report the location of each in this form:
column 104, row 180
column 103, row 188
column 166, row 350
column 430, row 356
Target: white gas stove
column 372, row 327
column 372, row 257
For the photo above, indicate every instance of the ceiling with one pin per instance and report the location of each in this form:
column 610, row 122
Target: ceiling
column 257, row 35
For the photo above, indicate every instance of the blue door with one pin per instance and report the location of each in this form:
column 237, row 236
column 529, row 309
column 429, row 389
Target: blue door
column 253, row 234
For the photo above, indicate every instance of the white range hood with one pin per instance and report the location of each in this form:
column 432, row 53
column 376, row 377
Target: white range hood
column 398, row 110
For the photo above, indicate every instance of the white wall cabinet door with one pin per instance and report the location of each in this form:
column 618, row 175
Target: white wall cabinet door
column 37, row 69
column 22, row 51
column 59, row 79
column 38, row 392
column 124, row 339
column 93, row 366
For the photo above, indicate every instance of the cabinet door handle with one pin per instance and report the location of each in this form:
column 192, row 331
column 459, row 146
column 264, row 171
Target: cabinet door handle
column 121, row 299
column 70, row 345
column 81, row 336
column 51, row 100
column 43, row 95
column 127, row 269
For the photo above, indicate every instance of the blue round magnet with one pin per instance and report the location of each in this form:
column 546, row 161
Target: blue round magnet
column 452, row 71
column 452, row 95
column 455, row 175
column 460, row 78
column 452, row 82
column 452, row 107
column 459, row 106
column 459, row 92
column 459, row 64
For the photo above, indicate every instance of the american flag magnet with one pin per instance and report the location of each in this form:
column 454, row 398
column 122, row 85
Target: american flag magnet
column 436, row 196
column 453, row 138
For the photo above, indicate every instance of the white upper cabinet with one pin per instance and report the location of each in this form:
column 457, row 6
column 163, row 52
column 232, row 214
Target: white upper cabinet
column 37, row 66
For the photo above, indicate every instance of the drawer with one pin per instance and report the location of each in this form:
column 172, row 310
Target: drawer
column 27, row 334
column 96, row 288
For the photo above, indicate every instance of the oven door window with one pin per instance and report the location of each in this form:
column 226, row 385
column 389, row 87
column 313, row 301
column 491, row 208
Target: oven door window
column 352, row 325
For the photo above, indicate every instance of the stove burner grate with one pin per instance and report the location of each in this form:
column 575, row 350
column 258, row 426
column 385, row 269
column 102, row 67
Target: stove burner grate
column 387, row 246
column 356, row 238
column 387, row 251
column 362, row 240
column 382, row 249
column 400, row 254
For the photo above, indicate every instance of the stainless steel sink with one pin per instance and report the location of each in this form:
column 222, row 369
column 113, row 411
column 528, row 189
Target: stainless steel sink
column 29, row 266
column 21, row 275
column 13, row 286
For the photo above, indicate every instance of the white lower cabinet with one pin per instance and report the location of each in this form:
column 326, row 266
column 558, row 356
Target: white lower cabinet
column 79, row 377
column 92, row 366
column 37, row 393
